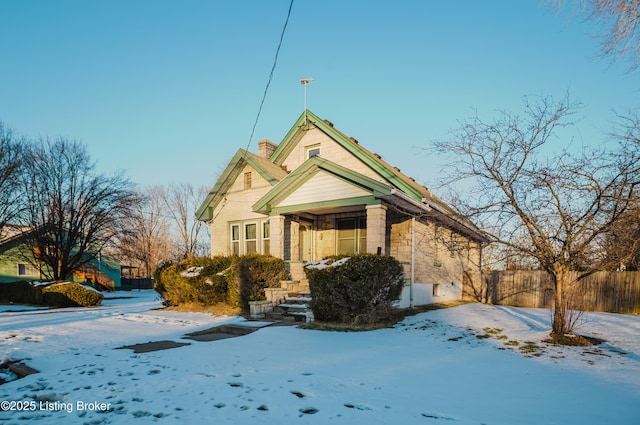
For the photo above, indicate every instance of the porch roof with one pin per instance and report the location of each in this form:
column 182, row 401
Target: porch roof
column 319, row 184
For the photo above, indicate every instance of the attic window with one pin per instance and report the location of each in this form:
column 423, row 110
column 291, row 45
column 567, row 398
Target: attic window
column 313, row 151
column 247, row 180
column 27, row 270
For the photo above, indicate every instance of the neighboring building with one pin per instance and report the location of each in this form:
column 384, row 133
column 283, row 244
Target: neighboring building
column 17, row 263
column 320, row 193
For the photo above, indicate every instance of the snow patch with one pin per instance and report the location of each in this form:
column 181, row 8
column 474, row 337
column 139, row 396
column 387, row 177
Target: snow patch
column 323, row 264
column 465, row 365
column 192, row 271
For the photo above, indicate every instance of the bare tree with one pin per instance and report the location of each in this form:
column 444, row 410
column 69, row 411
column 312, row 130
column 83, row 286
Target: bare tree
column 11, row 160
column 557, row 209
column 182, row 200
column 73, row 211
column 622, row 245
column 622, row 20
column 145, row 240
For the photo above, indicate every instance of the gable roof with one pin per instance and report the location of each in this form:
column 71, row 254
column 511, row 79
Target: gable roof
column 401, row 188
column 374, row 161
column 407, row 185
column 271, row 172
column 312, row 167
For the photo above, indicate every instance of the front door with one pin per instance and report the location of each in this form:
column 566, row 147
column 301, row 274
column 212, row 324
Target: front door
column 305, row 242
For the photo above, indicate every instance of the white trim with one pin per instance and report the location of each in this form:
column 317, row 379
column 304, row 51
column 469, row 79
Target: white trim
column 232, row 241
column 263, row 238
column 242, row 236
column 255, row 239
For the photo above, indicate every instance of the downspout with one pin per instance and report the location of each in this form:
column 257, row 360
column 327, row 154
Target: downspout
column 413, row 249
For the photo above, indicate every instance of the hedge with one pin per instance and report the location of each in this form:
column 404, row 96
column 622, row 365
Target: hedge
column 63, row 294
column 67, row 294
column 360, row 290
column 21, row 292
column 206, row 287
column 207, row 281
column 249, row 275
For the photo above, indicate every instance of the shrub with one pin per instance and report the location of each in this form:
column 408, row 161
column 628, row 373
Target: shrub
column 249, row 275
column 194, row 280
column 67, row 294
column 21, row 292
column 359, row 291
column 197, row 280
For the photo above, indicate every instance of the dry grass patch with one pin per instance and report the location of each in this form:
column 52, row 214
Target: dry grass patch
column 392, row 319
column 573, row 340
column 219, row 309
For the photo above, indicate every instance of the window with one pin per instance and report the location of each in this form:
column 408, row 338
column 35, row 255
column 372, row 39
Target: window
column 25, row 269
column 247, row 180
column 250, row 238
column 235, row 239
column 351, row 235
column 266, row 238
column 313, row 151
column 362, row 234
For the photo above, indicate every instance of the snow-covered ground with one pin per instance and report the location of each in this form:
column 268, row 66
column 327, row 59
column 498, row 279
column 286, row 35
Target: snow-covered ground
column 472, row 364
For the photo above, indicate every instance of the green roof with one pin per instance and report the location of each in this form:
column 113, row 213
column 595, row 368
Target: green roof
column 269, row 171
column 375, row 162
column 310, row 168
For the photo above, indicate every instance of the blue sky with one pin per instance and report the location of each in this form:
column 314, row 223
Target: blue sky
column 169, row 90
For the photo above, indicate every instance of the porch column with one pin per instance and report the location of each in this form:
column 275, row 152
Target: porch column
column 276, row 229
column 376, row 229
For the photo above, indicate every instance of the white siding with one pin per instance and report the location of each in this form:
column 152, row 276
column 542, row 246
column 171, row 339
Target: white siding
column 329, row 150
column 323, row 187
column 236, row 207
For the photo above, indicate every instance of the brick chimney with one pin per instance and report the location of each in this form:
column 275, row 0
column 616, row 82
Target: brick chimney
column 266, row 148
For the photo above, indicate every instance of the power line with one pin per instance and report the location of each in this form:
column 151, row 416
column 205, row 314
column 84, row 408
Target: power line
column 273, row 68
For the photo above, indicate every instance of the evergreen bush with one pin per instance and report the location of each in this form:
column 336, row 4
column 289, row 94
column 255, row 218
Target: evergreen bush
column 358, row 291
column 21, row 292
column 208, row 281
column 202, row 285
column 67, row 294
column 249, row 275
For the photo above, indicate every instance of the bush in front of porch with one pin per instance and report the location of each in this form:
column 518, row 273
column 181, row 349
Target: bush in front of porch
column 250, row 274
column 193, row 281
column 206, row 281
column 360, row 290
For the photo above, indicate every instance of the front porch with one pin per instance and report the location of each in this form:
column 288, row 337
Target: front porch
column 301, row 237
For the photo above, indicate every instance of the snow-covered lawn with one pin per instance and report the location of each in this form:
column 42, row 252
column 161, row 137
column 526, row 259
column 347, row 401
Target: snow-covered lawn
column 472, row 364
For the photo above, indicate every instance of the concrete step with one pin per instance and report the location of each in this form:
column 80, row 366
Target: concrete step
column 279, row 315
column 297, row 300
column 294, row 308
column 294, row 312
column 301, row 285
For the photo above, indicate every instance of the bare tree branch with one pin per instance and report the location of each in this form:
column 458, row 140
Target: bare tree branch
column 556, row 210
column 621, row 18
column 73, row 211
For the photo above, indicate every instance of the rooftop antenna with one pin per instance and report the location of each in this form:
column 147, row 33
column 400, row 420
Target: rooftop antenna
column 305, row 82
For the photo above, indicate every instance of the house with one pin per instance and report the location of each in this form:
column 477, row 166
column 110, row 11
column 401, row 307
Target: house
column 17, row 263
column 320, row 193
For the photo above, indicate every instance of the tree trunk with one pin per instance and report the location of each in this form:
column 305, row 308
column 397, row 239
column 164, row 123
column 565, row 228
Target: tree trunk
column 560, row 276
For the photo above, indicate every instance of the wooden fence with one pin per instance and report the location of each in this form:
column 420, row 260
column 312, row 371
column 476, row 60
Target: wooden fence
column 614, row 292
column 136, row 283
